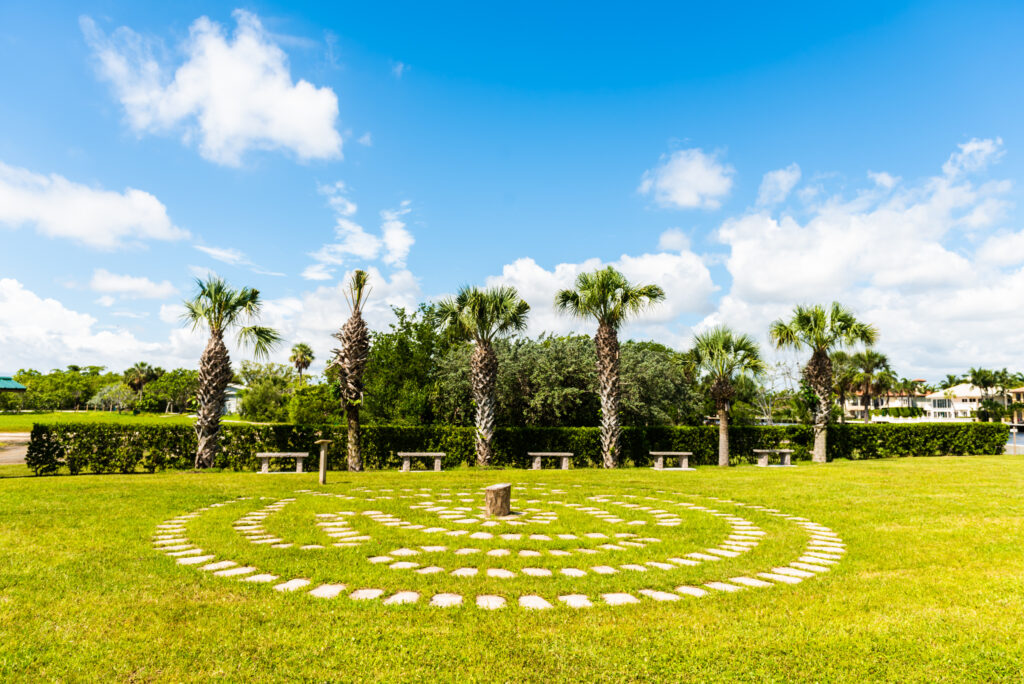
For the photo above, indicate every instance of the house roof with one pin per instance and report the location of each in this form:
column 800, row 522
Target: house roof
column 7, row 384
column 962, row 391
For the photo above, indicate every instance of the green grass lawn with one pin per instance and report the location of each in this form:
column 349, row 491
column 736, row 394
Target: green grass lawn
column 931, row 587
column 22, row 422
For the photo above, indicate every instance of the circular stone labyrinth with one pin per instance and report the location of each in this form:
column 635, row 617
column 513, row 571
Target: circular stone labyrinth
column 561, row 546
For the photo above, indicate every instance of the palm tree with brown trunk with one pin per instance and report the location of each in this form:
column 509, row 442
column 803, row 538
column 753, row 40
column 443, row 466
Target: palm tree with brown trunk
column 843, row 374
column 822, row 331
column 481, row 316
column 606, row 295
column 723, row 357
column 350, row 361
column 301, row 357
column 221, row 309
column 873, row 375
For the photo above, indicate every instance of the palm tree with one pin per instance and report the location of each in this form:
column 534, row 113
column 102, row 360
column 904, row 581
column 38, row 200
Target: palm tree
column 607, row 296
column 481, row 316
column 822, row 331
column 950, row 381
column 843, row 374
column 723, row 357
column 872, row 374
column 350, row 361
column 139, row 375
column 222, row 309
column 301, row 358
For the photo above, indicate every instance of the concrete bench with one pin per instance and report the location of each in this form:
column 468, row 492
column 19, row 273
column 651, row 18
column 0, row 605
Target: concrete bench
column 266, row 456
column 683, row 456
column 764, row 454
column 407, row 457
column 537, row 456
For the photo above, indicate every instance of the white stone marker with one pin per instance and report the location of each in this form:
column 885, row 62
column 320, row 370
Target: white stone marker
column 659, row 595
column 365, row 594
column 619, row 599
column 195, row 560
column 260, row 578
column 749, row 582
column 232, row 572
column 691, row 591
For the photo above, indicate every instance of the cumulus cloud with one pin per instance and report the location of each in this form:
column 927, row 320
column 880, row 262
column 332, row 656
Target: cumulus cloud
column 231, row 94
column 776, row 185
column 688, row 179
column 674, row 240
column 898, row 258
column 130, row 287
column 42, row 333
column 684, row 277
column 391, row 246
column 57, row 207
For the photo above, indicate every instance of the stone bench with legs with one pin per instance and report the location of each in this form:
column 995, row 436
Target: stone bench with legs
column 266, row 456
column 537, row 456
column 683, row 456
column 764, row 454
column 407, row 456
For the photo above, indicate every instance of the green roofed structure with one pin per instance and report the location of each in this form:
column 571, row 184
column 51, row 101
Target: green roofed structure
column 7, row 384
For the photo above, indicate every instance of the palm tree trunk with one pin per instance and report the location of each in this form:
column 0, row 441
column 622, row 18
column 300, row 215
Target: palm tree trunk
column 723, row 436
column 818, row 374
column 867, row 404
column 484, row 367
column 607, row 344
column 355, row 457
column 214, row 376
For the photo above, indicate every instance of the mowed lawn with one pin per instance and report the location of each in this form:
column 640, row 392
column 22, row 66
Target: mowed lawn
column 931, row 587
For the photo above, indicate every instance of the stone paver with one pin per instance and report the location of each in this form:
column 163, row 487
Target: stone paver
column 500, row 573
column 327, row 590
column 402, row 597
column 722, row 586
column 576, row 601
column 429, row 570
column 261, row 578
column 464, row 572
column 750, row 582
column 691, row 591
column 792, row 572
column 195, row 560
column 537, row 572
column 785, row 579
column 532, row 602
column 446, row 600
column 809, row 567
column 233, row 572
column 619, row 599
column 365, row 594
column 573, row 572
column 291, row 585
column 659, row 595
column 490, row 602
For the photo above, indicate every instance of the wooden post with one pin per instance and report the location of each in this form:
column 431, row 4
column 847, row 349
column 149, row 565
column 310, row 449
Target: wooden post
column 323, row 459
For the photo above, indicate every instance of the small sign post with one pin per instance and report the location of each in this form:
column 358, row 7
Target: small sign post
column 323, row 459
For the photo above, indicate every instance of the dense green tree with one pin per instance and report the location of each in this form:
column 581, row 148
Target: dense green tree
column 175, row 389
column 609, row 298
column 399, row 383
column 314, row 405
column 268, row 390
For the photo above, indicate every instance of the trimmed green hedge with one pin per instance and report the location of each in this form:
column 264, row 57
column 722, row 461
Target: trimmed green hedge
column 109, row 448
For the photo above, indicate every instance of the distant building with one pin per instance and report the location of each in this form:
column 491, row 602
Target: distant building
column 7, row 384
column 233, row 398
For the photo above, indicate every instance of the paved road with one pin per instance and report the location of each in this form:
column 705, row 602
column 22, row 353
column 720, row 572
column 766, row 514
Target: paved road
column 16, row 446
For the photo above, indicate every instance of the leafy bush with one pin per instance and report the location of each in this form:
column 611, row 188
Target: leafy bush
column 105, row 448
column 315, row 405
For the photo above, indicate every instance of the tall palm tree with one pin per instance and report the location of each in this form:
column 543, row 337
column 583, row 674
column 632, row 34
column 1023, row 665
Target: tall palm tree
column 822, row 331
column 723, row 357
column 872, row 375
column 222, row 309
column 608, row 297
column 139, row 375
column 481, row 316
column 843, row 374
column 950, row 381
column 350, row 361
column 301, row 358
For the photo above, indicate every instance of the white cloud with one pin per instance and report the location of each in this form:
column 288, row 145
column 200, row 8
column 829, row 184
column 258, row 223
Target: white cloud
column 688, row 179
column 776, row 185
column 232, row 93
column 884, row 180
column 684, row 277
column 229, row 255
column 896, row 254
column 132, row 287
column 674, row 240
column 352, row 240
column 57, row 207
column 973, row 155
column 43, row 333
column 365, row 140
column 398, row 69
column 106, row 300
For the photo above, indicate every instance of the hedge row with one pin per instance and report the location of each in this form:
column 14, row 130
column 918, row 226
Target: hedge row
column 111, row 448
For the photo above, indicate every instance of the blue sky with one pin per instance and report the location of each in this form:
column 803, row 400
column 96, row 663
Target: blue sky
column 745, row 157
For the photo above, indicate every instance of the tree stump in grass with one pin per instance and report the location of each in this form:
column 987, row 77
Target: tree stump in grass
column 498, row 500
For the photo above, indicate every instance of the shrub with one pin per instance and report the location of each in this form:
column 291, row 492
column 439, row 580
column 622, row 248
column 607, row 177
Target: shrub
column 105, row 448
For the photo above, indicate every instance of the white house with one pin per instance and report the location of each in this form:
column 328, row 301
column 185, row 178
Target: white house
column 233, row 399
column 959, row 402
